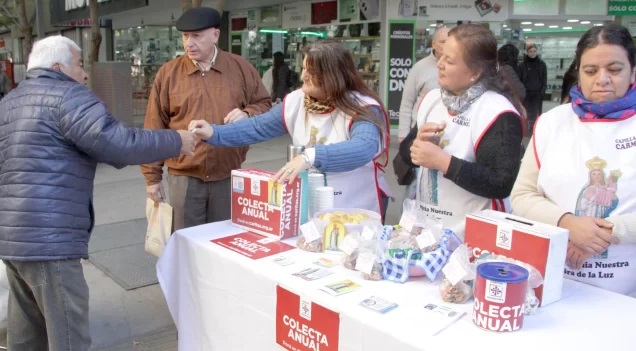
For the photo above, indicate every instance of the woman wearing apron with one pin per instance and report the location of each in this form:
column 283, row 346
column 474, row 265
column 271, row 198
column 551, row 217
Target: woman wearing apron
column 469, row 132
column 341, row 122
column 579, row 171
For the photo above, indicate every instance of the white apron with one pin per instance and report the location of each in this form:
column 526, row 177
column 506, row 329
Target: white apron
column 439, row 197
column 589, row 168
column 359, row 188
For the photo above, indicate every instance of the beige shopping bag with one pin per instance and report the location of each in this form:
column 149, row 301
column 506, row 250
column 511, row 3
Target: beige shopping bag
column 159, row 215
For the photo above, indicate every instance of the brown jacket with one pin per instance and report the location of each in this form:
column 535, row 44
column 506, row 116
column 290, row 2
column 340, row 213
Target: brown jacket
column 181, row 93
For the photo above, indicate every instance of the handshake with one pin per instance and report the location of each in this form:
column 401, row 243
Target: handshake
column 198, row 130
column 202, row 130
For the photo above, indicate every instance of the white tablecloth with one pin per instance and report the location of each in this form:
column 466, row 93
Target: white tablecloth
column 222, row 301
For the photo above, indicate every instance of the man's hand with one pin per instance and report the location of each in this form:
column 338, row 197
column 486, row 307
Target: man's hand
column 201, row 128
column 591, row 234
column 576, row 256
column 155, row 192
column 188, row 142
column 235, row 115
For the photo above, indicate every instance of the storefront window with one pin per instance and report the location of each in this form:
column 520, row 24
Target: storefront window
column 147, row 45
column 536, row 7
column 146, row 48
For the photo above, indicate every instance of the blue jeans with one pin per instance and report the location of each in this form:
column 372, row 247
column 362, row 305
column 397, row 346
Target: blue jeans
column 48, row 306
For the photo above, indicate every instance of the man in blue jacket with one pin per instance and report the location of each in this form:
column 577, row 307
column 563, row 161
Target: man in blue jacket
column 53, row 132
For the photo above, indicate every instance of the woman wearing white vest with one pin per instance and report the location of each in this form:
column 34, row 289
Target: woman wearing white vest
column 580, row 173
column 469, row 132
column 336, row 116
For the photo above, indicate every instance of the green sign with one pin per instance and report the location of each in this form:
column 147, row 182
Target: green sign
column 621, row 8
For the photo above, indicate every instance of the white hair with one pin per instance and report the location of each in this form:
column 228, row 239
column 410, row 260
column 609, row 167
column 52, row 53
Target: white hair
column 52, row 50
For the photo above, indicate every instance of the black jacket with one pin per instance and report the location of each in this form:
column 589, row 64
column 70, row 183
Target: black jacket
column 534, row 74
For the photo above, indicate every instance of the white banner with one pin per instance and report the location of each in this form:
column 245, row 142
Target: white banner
column 451, row 10
column 297, row 14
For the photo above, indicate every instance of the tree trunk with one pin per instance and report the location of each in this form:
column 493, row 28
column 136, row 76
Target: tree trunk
column 96, row 37
column 96, row 34
column 26, row 28
column 186, row 5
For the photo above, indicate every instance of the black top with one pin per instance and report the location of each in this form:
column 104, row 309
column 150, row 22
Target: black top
column 534, row 74
column 498, row 159
column 283, row 84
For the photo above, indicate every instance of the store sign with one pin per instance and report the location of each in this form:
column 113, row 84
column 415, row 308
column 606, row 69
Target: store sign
column 71, row 10
column 621, row 8
column 70, row 5
column 452, row 10
column 400, row 61
column 302, row 325
column 237, row 42
column 297, row 14
column 270, row 16
column 86, row 22
column 253, row 245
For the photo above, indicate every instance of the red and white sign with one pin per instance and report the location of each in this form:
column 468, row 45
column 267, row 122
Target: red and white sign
column 302, row 325
column 540, row 245
column 263, row 206
column 252, row 245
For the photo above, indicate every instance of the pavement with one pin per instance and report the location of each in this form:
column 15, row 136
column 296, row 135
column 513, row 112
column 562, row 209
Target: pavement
column 132, row 320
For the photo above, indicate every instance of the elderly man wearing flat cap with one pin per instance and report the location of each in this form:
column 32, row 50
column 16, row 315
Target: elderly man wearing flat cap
column 205, row 83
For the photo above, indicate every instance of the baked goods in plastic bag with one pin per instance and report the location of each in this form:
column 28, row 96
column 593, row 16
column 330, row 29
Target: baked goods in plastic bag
column 455, row 293
column 459, row 273
column 425, row 231
column 368, row 244
column 313, row 231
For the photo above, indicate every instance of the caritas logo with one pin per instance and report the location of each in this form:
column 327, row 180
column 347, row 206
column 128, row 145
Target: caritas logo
column 302, row 325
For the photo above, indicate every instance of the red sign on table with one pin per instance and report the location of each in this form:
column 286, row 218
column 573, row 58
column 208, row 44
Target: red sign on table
column 302, row 325
column 252, row 245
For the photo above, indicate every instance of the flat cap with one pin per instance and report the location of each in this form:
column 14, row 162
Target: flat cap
column 199, row 18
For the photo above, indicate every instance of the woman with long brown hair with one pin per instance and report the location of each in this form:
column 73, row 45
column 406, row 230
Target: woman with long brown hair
column 338, row 119
column 469, row 132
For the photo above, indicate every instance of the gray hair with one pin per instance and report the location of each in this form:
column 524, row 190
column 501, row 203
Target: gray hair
column 52, row 50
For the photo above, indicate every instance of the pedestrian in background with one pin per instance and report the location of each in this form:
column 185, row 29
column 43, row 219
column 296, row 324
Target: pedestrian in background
column 508, row 56
column 283, row 78
column 534, row 76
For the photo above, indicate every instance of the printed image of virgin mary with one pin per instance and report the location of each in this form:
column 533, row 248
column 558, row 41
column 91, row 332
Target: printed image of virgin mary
column 598, row 197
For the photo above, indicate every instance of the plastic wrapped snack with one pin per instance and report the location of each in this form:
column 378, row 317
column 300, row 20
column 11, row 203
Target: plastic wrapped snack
column 421, row 263
column 369, row 247
column 459, row 273
column 425, row 231
column 376, row 272
column 373, row 249
column 310, row 238
column 314, row 246
column 455, row 293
